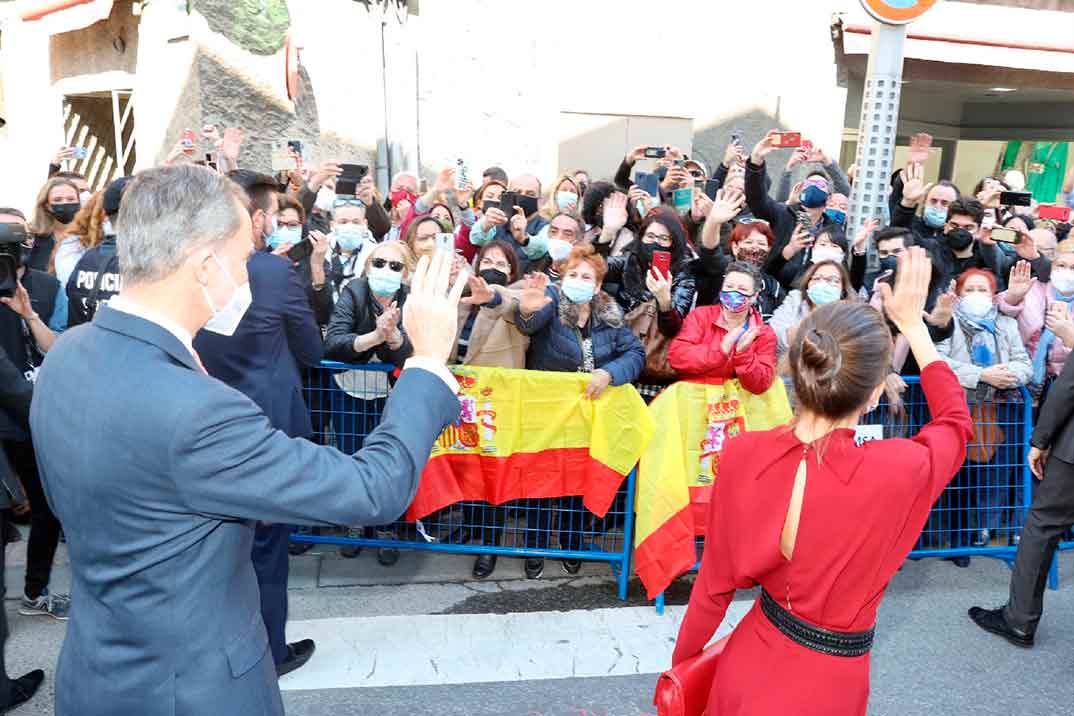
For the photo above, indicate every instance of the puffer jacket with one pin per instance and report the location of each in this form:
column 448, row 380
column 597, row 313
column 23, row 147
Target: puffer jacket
column 556, row 345
column 626, row 282
column 355, row 314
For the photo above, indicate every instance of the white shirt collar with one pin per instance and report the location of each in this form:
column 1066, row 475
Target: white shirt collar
column 124, row 304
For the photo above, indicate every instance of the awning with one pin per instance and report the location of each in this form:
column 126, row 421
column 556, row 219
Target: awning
column 984, row 35
column 56, row 16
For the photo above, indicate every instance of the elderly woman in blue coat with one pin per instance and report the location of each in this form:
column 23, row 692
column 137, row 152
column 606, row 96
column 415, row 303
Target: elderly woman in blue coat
column 574, row 327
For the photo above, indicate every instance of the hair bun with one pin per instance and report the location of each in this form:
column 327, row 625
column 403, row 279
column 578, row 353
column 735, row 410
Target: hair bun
column 821, row 355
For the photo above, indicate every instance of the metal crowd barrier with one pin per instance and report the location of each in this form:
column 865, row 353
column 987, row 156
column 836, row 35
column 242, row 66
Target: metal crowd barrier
column 982, row 511
column 346, row 402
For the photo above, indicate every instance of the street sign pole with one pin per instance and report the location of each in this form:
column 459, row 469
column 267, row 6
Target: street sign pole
column 876, row 131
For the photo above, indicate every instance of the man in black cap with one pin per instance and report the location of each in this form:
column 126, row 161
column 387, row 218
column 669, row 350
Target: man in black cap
column 96, row 276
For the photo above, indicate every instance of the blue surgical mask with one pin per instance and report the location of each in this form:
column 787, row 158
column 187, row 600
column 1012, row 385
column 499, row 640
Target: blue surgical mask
column 565, row 199
column 384, row 281
column 813, row 197
column 734, row 301
column 837, row 215
column 350, row 237
column 578, row 291
column 935, row 216
column 823, row 293
column 284, row 235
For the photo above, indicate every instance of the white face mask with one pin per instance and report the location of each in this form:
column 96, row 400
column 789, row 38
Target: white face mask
column 107, row 229
column 1063, row 280
column 227, row 319
column 976, row 304
column 325, row 199
column 826, row 253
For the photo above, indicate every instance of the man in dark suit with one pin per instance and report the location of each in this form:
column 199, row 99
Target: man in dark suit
column 15, row 395
column 263, row 359
column 168, row 617
column 1051, row 458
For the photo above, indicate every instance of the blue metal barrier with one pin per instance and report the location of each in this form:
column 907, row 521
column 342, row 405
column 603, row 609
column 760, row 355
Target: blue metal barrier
column 982, row 511
column 345, row 404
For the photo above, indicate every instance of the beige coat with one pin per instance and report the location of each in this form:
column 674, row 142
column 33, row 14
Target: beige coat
column 495, row 342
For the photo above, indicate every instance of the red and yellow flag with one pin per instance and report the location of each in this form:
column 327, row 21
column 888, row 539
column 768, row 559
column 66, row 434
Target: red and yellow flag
column 523, row 434
column 677, row 471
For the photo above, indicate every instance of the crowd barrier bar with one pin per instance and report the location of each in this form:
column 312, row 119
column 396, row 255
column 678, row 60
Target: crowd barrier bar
column 345, row 403
column 998, row 474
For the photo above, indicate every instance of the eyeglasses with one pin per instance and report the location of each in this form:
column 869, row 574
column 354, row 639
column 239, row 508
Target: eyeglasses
column 651, row 238
column 347, row 202
column 830, row 280
column 396, row 266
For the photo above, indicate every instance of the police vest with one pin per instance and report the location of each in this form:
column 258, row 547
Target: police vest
column 93, row 282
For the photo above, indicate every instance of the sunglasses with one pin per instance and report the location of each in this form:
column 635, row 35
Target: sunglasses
column 396, row 266
column 347, row 202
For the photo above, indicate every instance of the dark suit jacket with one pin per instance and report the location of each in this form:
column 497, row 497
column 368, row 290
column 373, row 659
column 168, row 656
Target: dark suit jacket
column 277, row 336
column 15, row 395
column 166, row 619
column 1055, row 428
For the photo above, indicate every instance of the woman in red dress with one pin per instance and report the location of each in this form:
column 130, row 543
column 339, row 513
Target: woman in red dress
column 820, row 523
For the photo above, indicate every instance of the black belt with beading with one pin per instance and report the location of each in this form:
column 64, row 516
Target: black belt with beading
column 825, row 641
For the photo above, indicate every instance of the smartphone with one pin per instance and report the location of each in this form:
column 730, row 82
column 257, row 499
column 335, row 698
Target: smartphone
column 488, row 204
column 649, row 183
column 210, row 161
column 711, row 187
column 1015, row 198
column 508, row 200
column 187, row 140
column 787, row 139
column 80, row 152
column 462, row 175
column 807, row 145
column 655, row 152
column 1006, row 236
column 347, row 182
column 804, row 221
column 300, row 251
column 445, row 242
column 662, row 262
column 736, row 136
column 683, row 200
column 1051, row 211
column 295, row 145
column 678, row 163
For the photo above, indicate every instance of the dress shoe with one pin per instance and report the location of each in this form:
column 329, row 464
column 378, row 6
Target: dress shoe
column 298, row 654
column 962, row 561
column 484, row 566
column 534, row 567
column 572, row 566
column 992, row 620
column 296, row 548
column 22, row 689
column 387, row 556
column 460, row 535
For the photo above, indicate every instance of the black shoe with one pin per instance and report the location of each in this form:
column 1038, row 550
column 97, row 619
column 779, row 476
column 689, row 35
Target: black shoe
column 962, row 562
column 350, row 551
column 572, row 566
column 484, row 566
column 992, row 620
column 298, row 654
column 534, row 568
column 23, row 689
column 387, row 556
column 296, row 548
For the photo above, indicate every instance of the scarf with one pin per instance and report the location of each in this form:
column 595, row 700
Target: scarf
column 983, row 342
column 1044, row 346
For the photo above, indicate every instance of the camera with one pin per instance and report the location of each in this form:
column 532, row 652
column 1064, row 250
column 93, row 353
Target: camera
column 12, row 237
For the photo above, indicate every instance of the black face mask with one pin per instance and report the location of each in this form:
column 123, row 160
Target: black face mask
column 494, row 277
column 64, row 213
column 889, row 263
column 528, row 204
column 645, row 252
column 958, row 239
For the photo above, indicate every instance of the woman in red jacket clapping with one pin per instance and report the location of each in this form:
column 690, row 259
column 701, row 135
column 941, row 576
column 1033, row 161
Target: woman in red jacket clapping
column 729, row 340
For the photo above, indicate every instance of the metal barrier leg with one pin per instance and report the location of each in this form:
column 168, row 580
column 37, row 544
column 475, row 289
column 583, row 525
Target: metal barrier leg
column 659, row 604
column 1053, row 572
column 628, row 535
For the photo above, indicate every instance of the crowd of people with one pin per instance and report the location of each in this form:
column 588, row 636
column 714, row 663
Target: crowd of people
column 577, row 275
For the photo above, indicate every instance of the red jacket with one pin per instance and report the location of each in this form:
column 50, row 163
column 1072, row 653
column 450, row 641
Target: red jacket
column 696, row 354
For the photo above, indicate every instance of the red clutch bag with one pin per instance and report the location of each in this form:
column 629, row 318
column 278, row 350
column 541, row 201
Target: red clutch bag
column 684, row 690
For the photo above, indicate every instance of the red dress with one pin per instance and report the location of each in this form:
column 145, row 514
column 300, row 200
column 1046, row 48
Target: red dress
column 862, row 512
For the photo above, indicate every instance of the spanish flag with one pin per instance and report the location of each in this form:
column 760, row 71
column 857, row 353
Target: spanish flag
column 524, row 434
column 677, row 472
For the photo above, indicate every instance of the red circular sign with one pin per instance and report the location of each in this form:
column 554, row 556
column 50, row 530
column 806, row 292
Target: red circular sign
column 897, row 12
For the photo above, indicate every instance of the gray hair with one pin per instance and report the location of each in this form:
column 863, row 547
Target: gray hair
column 167, row 213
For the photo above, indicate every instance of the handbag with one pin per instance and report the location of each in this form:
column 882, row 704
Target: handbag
column 683, row 690
column 645, row 324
